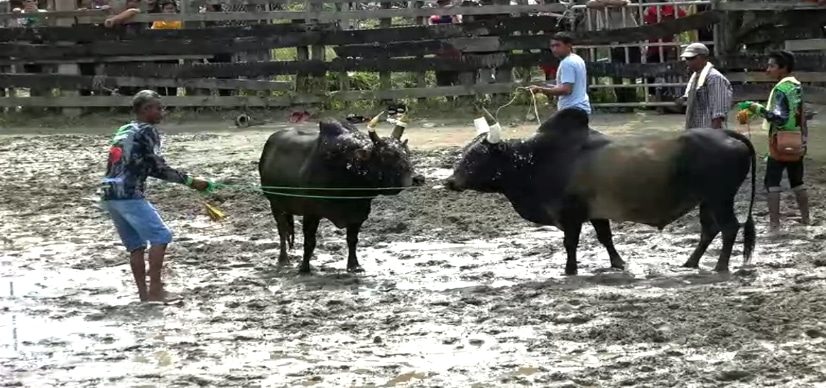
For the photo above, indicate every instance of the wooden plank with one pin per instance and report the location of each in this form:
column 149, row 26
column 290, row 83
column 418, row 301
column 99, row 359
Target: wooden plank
column 806, row 44
column 760, row 92
column 380, row 45
column 802, row 76
column 53, row 15
column 198, row 3
column 774, row 6
column 468, row 62
column 325, row 16
column 812, row 62
column 179, row 101
column 117, row 59
column 60, row 81
column 741, row 93
column 329, row 33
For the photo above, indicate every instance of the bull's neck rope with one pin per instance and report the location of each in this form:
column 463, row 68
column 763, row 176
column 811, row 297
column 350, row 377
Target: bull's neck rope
column 515, row 96
column 279, row 190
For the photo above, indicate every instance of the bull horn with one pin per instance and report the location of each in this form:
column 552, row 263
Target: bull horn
column 481, row 125
column 495, row 134
column 371, row 126
column 398, row 130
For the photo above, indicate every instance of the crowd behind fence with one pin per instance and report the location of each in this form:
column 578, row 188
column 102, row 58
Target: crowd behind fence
column 260, row 53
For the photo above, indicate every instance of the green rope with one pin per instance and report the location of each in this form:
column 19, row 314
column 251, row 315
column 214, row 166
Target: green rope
column 261, row 190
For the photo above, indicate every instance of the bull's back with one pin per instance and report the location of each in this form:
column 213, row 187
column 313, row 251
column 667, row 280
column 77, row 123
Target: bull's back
column 285, row 153
column 634, row 179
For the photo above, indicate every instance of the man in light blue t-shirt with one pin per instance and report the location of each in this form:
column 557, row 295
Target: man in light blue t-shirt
column 571, row 76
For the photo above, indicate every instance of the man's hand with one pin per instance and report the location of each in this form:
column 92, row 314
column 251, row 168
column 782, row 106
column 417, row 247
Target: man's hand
column 109, row 22
column 201, row 184
column 680, row 101
column 535, row 89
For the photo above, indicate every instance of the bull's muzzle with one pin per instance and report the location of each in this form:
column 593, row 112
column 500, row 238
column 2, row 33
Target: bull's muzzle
column 418, row 180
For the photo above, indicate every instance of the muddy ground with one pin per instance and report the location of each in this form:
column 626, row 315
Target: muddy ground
column 459, row 290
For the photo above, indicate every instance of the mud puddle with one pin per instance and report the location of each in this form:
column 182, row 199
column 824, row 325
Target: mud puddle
column 459, row 291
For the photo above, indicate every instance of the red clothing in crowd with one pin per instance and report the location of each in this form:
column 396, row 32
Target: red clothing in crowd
column 666, row 12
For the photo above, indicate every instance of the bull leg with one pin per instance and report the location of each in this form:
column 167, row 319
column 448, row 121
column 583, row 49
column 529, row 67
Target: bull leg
column 604, row 236
column 353, row 240
column 310, row 228
column 708, row 231
column 727, row 220
column 571, row 241
column 282, row 223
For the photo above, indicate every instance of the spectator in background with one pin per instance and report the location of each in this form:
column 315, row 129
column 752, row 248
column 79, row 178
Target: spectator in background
column 167, row 6
column 30, row 6
column 446, row 78
column 123, row 18
column 612, row 15
column 669, row 53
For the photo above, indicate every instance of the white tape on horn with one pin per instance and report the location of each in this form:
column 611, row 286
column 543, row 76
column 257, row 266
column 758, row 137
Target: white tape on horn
column 495, row 134
column 481, row 125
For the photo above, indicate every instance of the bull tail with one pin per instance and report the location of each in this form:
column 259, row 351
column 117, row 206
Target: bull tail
column 749, row 232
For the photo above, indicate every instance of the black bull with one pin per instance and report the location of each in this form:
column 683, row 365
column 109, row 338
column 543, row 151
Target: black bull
column 337, row 157
column 567, row 174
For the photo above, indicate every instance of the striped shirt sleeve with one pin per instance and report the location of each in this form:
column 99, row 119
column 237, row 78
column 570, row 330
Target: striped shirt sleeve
column 719, row 96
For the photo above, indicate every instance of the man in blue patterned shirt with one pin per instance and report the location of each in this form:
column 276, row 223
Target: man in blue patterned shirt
column 134, row 155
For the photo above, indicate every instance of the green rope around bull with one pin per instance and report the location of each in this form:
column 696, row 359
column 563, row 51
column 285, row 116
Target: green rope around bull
column 213, row 186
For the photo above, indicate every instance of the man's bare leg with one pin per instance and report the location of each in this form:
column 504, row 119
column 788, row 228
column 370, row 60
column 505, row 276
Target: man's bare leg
column 774, row 211
column 136, row 260
column 156, row 256
column 802, row 199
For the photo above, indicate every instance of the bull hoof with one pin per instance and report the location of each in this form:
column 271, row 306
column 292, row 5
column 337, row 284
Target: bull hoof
column 721, row 269
column 570, row 272
column 304, row 270
column 620, row 265
column 355, row 269
column 689, row 264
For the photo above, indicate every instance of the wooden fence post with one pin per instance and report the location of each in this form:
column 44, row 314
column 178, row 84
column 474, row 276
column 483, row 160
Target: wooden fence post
column 67, row 68
column 385, row 77
column 421, row 80
column 343, row 77
column 318, row 53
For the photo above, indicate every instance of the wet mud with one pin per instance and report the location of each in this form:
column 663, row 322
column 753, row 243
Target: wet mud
column 459, row 291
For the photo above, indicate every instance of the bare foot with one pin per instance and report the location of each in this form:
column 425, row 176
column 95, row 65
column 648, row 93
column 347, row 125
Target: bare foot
column 163, row 296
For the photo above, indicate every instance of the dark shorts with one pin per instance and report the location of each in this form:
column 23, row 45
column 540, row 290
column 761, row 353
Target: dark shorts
column 774, row 174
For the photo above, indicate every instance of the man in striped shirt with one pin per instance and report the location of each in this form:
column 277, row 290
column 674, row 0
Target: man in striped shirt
column 708, row 94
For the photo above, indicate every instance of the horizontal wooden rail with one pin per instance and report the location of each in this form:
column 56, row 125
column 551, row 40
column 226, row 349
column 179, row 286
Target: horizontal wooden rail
column 774, row 6
column 75, row 82
column 94, row 16
column 741, row 93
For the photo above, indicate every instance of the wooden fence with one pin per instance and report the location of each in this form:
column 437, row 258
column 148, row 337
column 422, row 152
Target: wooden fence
column 330, row 43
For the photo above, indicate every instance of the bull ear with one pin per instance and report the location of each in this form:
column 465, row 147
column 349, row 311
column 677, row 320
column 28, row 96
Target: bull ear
column 331, row 128
column 362, row 154
column 404, row 142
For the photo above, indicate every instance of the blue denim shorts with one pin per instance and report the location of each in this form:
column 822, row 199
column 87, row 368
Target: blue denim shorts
column 137, row 223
